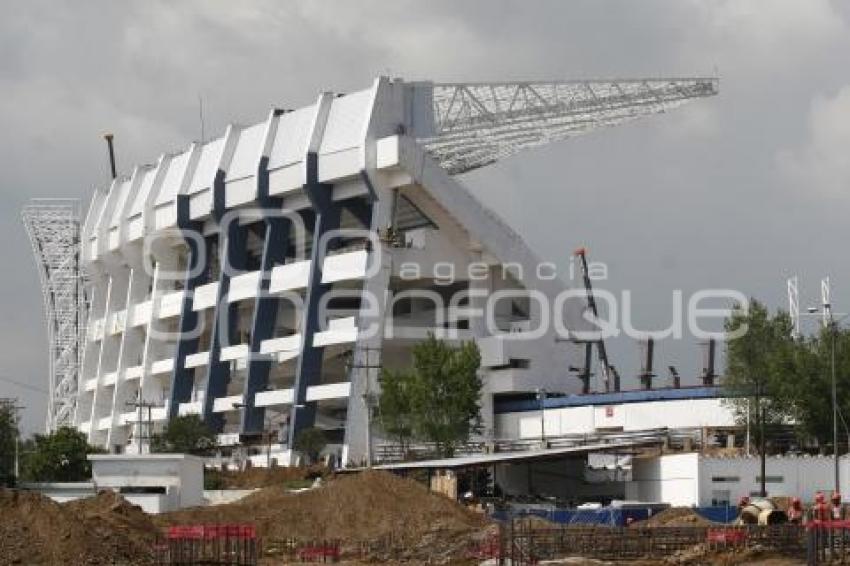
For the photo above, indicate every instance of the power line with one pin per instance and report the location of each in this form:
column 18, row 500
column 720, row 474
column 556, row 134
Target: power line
column 20, row 384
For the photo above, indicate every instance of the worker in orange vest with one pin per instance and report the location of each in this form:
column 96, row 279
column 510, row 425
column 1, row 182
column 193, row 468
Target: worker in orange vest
column 820, row 510
column 837, row 511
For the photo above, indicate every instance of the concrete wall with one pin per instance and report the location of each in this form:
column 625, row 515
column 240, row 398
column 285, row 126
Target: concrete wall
column 151, row 503
column 786, row 476
column 672, row 479
column 181, row 475
column 692, row 479
column 60, row 492
column 222, row 496
column 689, row 413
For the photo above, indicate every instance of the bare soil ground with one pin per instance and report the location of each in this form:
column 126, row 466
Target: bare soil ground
column 675, row 517
column 396, row 519
column 102, row 530
column 266, row 477
column 370, row 507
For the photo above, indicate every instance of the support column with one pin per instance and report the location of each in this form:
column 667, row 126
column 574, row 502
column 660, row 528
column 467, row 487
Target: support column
column 233, row 254
column 479, row 290
column 309, row 368
column 263, row 322
column 363, row 381
column 197, row 270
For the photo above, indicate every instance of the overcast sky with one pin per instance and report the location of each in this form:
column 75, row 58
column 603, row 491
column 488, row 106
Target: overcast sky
column 739, row 191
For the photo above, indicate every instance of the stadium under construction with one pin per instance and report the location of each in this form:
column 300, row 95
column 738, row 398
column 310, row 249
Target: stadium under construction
column 261, row 279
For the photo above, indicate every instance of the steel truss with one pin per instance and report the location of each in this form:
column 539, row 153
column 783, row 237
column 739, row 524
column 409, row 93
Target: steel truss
column 480, row 123
column 53, row 227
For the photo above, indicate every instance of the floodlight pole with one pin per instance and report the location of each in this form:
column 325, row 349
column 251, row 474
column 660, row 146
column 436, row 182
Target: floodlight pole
column 833, row 332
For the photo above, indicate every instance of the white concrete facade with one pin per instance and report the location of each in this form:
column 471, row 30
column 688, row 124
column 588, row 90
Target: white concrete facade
column 593, row 419
column 155, row 482
column 137, row 256
column 692, row 479
column 258, row 279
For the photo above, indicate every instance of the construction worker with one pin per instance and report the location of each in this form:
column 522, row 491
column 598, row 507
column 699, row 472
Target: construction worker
column 795, row 511
column 820, row 510
column 836, row 510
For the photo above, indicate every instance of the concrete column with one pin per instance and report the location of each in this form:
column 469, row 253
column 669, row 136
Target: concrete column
column 197, row 271
column 263, row 322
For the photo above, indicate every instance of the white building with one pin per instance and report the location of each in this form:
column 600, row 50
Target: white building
column 688, row 408
column 155, row 482
column 692, row 479
column 259, row 279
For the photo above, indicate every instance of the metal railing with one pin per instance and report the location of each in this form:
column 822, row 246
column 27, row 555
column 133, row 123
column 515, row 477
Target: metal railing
column 391, row 452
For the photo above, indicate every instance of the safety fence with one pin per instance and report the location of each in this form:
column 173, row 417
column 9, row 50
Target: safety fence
column 522, row 545
column 828, row 542
column 612, row 516
column 297, row 550
column 230, row 544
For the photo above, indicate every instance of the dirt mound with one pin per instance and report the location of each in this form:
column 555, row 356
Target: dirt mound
column 264, row 477
column 675, row 517
column 111, row 512
column 36, row 530
column 362, row 507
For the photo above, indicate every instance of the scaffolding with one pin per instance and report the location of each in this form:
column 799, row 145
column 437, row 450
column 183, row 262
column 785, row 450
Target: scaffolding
column 53, row 227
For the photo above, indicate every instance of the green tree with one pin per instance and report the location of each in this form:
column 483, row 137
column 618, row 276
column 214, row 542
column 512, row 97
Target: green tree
column 310, row 442
column 814, row 395
column 187, row 434
column 793, row 375
column 437, row 399
column 395, row 406
column 9, row 434
column 761, row 363
column 58, row 457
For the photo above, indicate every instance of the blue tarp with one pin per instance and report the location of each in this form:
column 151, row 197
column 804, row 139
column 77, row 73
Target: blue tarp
column 614, row 516
column 718, row 514
column 611, row 516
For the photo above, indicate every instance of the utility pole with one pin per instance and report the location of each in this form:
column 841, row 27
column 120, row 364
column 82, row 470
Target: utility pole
column 13, row 409
column 833, row 333
column 541, row 397
column 762, row 441
column 368, row 400
column 139, row 405
column 830, row 322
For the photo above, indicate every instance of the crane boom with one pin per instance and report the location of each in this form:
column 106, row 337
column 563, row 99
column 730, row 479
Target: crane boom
column 591, row 304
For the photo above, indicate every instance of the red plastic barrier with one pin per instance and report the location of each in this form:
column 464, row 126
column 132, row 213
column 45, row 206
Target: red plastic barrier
column 211, row 532
column 320, row 551
column 726, row 536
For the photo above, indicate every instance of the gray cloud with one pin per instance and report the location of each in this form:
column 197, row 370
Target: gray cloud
column 727, row 192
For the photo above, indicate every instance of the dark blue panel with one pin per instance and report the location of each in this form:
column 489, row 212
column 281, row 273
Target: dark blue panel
column 197, row 272
column 718, row 513
column 233, row 253
column 637, row 396
column 262, row 325
column 309, row 367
